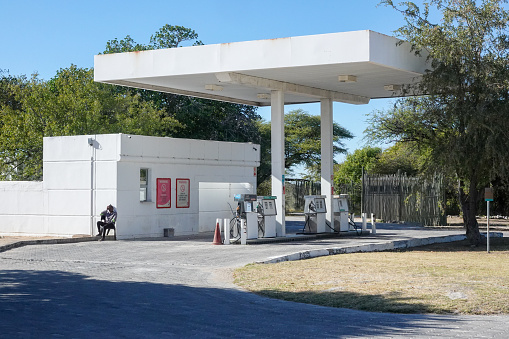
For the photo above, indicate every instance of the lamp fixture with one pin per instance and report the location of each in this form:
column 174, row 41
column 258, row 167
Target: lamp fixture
column 213, row 87
column 263, row 96
column 347, row 78
column 392, row 88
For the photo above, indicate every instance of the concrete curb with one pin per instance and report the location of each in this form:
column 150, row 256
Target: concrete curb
column 373, row 247
column 22, row 243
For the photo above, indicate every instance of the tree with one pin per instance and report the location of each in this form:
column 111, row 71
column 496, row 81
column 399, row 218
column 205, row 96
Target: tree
column 303, row 140
column 302, row 143
column 350, row 171
column 71, row 103
column 170, row 36
column 124, row 45
column 401, row 157
column 463, row 119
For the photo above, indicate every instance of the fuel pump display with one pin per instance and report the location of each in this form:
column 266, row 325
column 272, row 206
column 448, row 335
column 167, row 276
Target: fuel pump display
column 314, row 210
column 340, row 212
column 246, row 215
column 267, row 216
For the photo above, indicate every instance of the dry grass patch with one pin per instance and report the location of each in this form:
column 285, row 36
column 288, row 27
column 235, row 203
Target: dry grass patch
column 445, row 278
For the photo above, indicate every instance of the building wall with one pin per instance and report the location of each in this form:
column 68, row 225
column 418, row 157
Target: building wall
column 22, row 207
column 196, row 160
column 83, row 174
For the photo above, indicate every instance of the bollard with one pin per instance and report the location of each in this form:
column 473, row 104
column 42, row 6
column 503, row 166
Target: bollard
column 226, row 231
column 364, row 223
column 243, row 232
column 373, row 224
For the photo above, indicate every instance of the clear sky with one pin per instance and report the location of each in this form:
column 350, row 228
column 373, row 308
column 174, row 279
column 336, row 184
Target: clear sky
column 44, row 36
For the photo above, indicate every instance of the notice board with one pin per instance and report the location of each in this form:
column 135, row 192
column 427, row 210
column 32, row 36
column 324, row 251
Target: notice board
column 163, row 193
column 182, row 188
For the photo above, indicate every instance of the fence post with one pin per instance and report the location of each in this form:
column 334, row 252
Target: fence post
column 362, row 191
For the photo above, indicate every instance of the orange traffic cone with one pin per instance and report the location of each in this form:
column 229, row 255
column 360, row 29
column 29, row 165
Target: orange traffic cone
column 217, row 236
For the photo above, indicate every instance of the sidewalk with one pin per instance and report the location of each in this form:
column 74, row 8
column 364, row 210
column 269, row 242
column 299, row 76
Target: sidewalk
column 10, row 242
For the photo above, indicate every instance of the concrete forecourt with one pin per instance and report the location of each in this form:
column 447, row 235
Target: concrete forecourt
column 183, row 288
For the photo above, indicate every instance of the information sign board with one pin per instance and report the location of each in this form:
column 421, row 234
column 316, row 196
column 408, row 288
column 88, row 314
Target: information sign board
column 163, row 193
column 182, row 188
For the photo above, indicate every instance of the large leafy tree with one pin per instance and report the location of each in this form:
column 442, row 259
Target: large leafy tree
column 71, row 103
column 303, row 140
column 302, row 143
column 463, row 119
column 350, row 171
column 198, row 118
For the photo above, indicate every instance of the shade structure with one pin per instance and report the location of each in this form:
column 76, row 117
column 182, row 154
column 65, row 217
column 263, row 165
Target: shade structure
column 350, row 67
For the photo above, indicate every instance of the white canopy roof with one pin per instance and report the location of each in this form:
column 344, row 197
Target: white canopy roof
column 351, row 67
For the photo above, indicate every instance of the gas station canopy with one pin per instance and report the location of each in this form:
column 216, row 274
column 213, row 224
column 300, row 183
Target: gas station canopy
column 350, row 67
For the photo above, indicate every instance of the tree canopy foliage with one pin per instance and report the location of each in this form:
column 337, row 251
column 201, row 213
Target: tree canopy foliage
column 398, row 158
column 350, row 171
column 302, row 143
column 71, row 103
column 303, row 139
column 463, row 118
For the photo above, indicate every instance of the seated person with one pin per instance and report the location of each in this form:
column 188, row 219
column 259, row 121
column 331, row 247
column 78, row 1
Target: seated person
column 108, row 219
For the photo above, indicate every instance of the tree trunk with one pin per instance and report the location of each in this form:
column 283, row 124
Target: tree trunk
column 469, row 204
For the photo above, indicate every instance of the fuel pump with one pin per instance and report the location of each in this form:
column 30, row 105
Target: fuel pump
column 314, row 210
column 246, row 212
column 267, row 216
column 340, row 212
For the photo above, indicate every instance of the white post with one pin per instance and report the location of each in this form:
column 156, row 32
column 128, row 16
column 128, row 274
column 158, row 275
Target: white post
column 364, row 222
column 373, row 224
column 488, row 228
column 92, row 185
column 277, row 149
column 243, row 232
column 226, row 231
column 327, row 163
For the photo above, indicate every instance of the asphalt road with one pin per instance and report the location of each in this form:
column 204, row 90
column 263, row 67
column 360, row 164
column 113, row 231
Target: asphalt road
column 182, row 288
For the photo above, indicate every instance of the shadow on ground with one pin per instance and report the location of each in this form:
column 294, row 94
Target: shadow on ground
column 56, row 303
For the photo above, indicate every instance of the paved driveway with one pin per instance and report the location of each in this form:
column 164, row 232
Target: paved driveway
column 183, row 288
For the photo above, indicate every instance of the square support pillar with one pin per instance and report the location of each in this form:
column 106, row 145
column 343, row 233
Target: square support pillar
column 277, row 149
column 327, row 160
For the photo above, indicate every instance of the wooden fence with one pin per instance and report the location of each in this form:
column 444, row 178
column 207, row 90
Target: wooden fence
column 296, row 189
column 402, row 198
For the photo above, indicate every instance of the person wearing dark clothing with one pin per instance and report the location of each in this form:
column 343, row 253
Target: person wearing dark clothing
column 108, row 219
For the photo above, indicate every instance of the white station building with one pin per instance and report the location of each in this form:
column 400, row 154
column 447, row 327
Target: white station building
column 83, row 174
column 158, row 185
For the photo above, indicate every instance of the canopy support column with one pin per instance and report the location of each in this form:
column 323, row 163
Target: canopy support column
column 277, row 124
column 327, row 160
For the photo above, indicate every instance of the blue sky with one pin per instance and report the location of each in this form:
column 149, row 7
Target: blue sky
column 44, row 36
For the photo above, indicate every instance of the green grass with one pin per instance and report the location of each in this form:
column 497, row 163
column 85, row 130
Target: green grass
column 446, row 278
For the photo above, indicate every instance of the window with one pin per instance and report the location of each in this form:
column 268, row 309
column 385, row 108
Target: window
column 143, row 184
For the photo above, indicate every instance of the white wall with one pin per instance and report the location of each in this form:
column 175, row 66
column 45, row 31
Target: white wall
column 196, row 160
column 23, row 207
column 217, row 201
column 79, row 177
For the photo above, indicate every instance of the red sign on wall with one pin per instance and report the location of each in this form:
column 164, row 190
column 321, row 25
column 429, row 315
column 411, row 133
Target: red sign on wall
column 182, row 193
column 163, row 193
